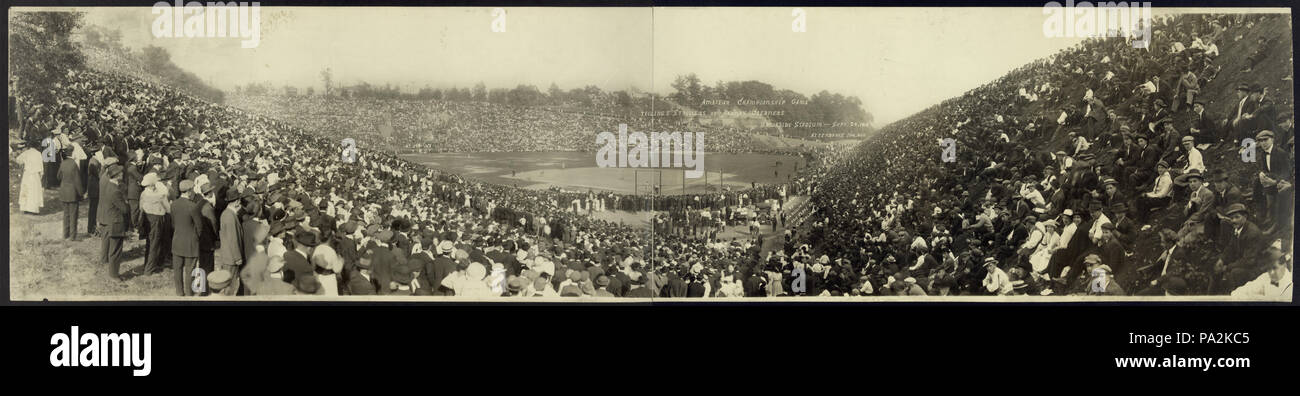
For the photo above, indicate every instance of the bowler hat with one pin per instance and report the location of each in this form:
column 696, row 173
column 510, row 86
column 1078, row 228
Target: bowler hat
column 233, row 194
column 1235, row 208
column 306, row 238
column 1191, row 174
column 114, row 171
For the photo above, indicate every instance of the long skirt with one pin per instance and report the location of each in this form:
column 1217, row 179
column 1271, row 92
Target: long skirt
column 31, row 194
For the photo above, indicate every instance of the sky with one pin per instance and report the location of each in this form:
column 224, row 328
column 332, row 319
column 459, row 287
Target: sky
column 897, row 60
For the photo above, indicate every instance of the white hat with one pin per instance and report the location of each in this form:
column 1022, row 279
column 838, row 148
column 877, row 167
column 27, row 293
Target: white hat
column 445, row 247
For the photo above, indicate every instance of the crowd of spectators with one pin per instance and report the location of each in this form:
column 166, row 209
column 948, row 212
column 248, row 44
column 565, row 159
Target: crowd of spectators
column 1081, row 173
column 1117, row 195
column 428, row 125
column 266, row 207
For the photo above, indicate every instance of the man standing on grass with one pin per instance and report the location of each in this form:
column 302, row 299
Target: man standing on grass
column 116, row 218
column 232, row 239
column 186, row 221
column 70, row 190
column 155, row 204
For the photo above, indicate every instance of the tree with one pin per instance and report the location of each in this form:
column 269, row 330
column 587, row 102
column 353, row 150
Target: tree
column 327, row 76
column 480, row 92
column 687, row 90
column 525, row 95
column 499, row 95
column 41, row 51
column 555, row 95
column 622, row 99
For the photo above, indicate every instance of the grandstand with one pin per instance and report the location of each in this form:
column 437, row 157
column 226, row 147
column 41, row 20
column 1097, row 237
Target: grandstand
column 884, row 212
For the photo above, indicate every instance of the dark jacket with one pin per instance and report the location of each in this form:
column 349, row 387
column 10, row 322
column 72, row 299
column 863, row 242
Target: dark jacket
column 381, row 269
column 117, row 211
column 105, row 190
column 70, row 186
column 93, row 169
column 1240, row 251
column 186, row 221
column 208, row 238
column 360, row 286
column 1278, row 160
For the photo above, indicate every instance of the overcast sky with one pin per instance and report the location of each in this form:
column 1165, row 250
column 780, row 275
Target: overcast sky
column 897, row 60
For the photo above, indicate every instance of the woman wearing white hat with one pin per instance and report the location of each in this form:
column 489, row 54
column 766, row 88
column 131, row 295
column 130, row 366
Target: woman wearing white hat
column 328, row 264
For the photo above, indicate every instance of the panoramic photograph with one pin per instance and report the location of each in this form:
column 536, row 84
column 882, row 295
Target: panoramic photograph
column 238, row 152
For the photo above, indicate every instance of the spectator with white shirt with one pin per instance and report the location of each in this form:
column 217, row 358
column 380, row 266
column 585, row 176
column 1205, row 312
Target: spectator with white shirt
column 1277, row 283
column 1157, row 197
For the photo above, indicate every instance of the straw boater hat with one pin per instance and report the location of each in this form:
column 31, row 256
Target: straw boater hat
column 219, row 280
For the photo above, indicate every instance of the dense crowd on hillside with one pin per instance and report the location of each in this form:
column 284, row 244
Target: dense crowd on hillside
column 464, row 127
column 1072, row 175
column 1100, row 170
column 266, row 208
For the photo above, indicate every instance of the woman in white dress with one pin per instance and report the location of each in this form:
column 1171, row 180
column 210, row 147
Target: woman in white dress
column 1044, row 248
column 31, row 195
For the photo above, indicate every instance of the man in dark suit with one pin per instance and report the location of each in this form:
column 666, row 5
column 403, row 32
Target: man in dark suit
column 1254, row 112
column 132, row 178
column 208, row 237
column 437, row 270
column 1142, row 169
column 1110, row 193
column 1242, row 243
column 360, row 281
column 639, row 289
column 1202, row 125
column 1273, row 190
column 186, row 221
column 422, row 261
column 755, row 285
column 116, row 218
column 70, row 191
column 1158, row 114
column 1125, row 228
column 1262, row 111
column 105, row 188
column 232, row 239
column 382, row 262
column 1094, row 116
column 94, row 168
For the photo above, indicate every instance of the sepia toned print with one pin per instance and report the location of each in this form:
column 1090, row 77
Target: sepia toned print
column 235, row 152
